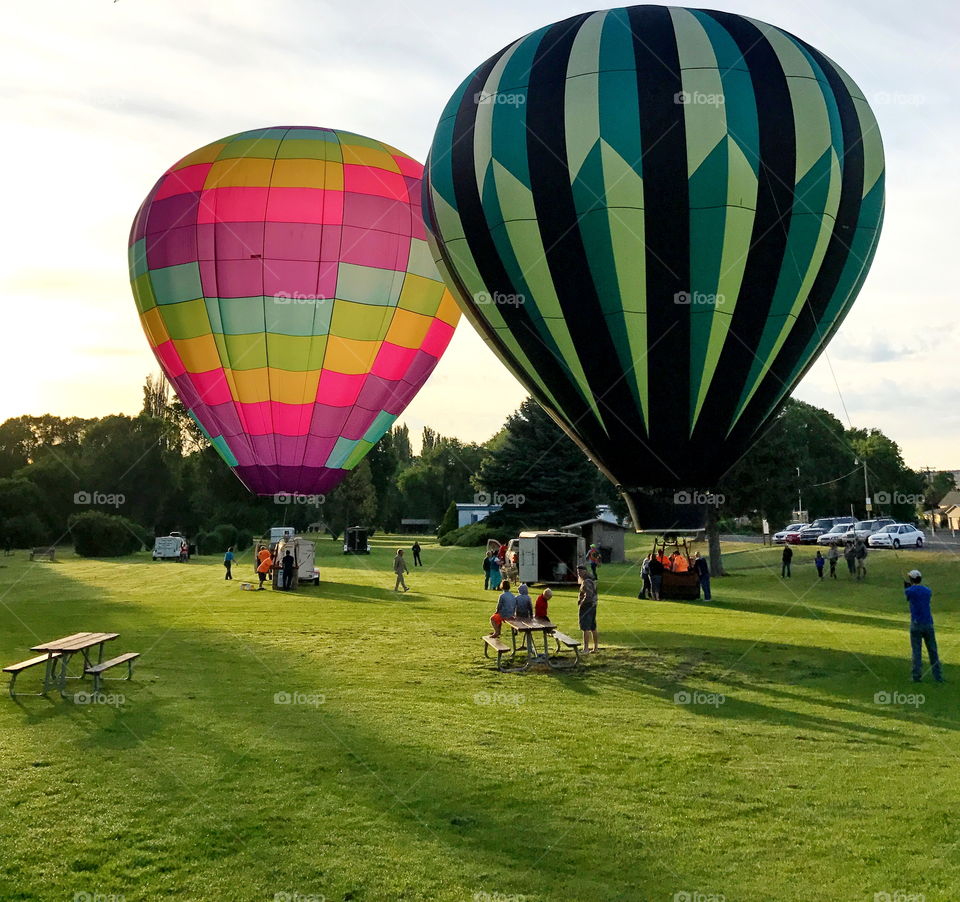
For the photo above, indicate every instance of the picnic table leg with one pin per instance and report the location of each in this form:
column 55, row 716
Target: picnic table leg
column 49, row 673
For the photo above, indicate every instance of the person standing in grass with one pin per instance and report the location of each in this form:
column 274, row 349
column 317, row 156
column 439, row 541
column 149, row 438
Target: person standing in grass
column 287, row 565
column 850, row 556
column 495, row 577
column 506, row 608
column 819, row 562
column 656, row 575
column 228, row 562
column 416, row 554
column 486, row 569
column 833, row 556
column 645, row 577
column 594, row 559
column 587, row 602
column 861, row 560
column 785, row 560
column 702, row 568
column 399, row 568
column 921, row 626
column 263, row 568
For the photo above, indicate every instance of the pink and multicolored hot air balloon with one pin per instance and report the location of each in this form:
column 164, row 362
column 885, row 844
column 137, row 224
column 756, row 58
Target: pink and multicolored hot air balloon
column 284, row 281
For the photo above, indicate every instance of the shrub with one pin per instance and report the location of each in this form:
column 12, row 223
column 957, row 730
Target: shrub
column 472, row 535
column 96, row 534
column 23, row 530
column 220, row 538
column 449, row 521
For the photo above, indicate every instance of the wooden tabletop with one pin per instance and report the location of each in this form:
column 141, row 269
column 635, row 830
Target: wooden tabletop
column 76, row 642
column 529, row 624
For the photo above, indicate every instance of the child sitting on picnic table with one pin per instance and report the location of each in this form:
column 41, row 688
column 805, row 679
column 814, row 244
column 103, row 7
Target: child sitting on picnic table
column 506, row 608
column 524, row 602
column 541, row 604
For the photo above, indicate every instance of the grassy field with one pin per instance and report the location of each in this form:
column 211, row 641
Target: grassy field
column 345, row 743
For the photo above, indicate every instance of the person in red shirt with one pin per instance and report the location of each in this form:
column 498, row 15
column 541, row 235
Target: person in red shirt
column 541, row 604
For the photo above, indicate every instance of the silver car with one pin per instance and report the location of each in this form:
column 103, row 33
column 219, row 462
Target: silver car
column 863, row 529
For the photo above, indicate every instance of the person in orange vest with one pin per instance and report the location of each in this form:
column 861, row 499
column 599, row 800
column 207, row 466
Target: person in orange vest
column 264, row 567
column 680, row 563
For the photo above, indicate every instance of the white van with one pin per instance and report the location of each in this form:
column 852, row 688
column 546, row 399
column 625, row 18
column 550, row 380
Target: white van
column 167, row 548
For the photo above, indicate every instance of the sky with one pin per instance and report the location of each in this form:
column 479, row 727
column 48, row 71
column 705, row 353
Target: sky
column 98, row 98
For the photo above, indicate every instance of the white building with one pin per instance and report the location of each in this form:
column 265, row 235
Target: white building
column 474, row 513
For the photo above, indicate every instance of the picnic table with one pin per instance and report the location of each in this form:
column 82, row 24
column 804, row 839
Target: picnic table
column 61, row 650
column 526, row 627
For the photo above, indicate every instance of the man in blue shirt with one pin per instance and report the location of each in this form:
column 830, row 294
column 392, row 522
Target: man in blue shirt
column 506, row 608
column 921, row 626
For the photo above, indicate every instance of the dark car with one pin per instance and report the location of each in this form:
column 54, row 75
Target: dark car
column 810, row 534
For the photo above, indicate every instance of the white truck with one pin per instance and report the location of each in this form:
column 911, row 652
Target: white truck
column 278, row 533
column 546, row 556
column 304, row 554
column 167, row 548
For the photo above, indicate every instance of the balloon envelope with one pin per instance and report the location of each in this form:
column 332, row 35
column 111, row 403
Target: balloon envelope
column 285, row 284
column 657, row 217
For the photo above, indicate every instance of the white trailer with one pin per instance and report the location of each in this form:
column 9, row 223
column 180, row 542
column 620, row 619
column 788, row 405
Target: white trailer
column 547, row 556
column 304, row 554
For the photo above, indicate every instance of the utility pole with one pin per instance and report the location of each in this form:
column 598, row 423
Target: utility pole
column 799, row 496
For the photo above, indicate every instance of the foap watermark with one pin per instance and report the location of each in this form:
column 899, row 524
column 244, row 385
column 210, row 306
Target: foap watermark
column 695, row 895
column 298, row 297
column 507, row 699
column 499, row 98
column 97, row 896
column 111, row 499
column 298, row 897
column 489, row 498
column 897, row 98
column 897, row 498
column 698, row 98
column 311, row 699
column 694, row 497
column 695, row 697
column 110, row 699
column 483, row 896
column 906, row 699
column 898, row 895
column 698, row 299
column 297, row 498
column 500, row 298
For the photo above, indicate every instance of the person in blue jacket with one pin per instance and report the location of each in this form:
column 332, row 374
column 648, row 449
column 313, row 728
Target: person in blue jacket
column 921, row 626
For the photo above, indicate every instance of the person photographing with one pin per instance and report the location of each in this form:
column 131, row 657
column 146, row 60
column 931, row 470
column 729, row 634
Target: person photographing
column 921, row 626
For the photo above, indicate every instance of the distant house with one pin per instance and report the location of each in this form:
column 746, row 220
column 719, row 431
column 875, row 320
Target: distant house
column 605, row 533
column 947, row 513
column 474, row 513
column 417, row 524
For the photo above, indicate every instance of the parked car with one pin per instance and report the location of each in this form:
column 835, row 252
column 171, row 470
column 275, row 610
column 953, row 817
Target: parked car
column 792, row 536
column 810, row 534
column 897, row 536
column 863, row 529
column 780, row 538
column 836, row 535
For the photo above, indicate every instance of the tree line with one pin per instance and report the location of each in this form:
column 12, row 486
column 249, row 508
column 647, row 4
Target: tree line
column 153, row 473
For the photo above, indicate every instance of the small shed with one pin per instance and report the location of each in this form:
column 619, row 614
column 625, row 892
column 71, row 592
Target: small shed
column 606, row 534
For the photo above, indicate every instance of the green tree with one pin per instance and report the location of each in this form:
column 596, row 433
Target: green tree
column 352, row 503
column 542, row 478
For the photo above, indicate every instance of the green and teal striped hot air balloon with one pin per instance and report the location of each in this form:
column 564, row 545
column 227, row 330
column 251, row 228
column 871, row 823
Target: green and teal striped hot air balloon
column 657, row 217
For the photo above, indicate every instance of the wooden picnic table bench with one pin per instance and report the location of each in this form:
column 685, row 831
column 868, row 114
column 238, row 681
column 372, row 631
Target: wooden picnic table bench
column 67, row 647
column 48, row 551
column 527, row 627
column 97, row 670
column 16, row 669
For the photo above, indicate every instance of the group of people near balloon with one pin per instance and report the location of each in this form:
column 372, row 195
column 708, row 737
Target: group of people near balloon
column 657, row 563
